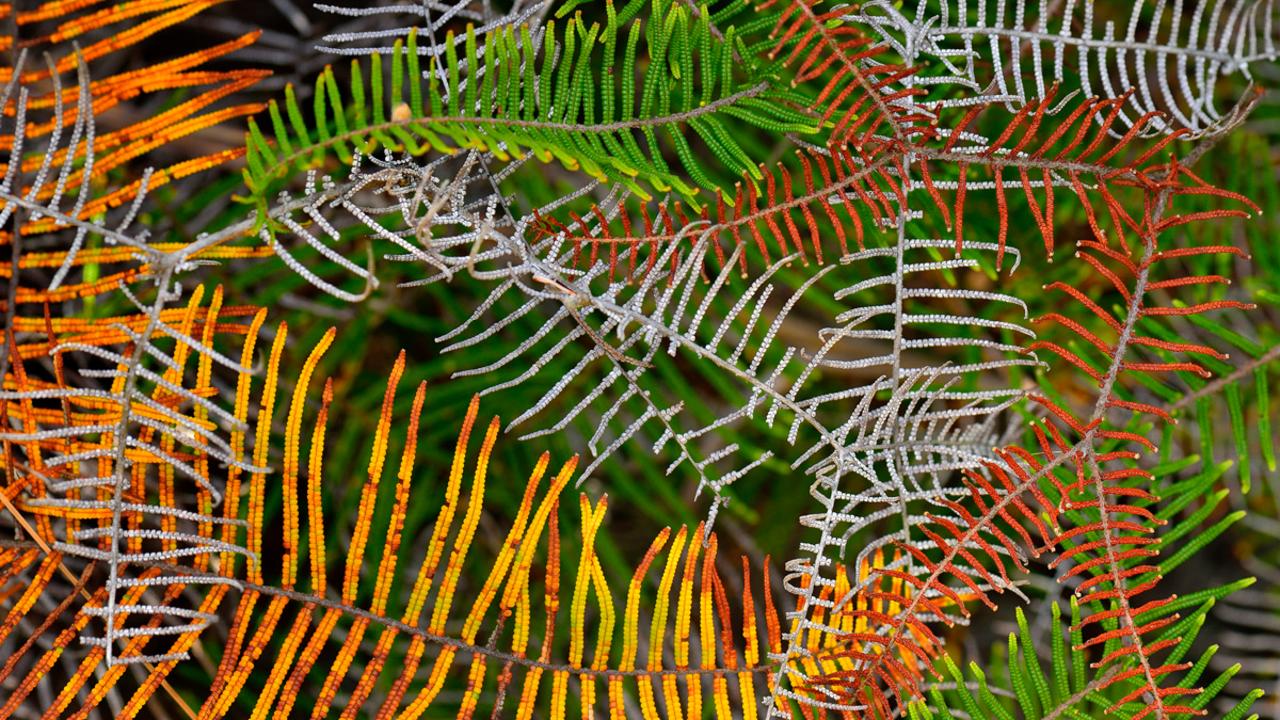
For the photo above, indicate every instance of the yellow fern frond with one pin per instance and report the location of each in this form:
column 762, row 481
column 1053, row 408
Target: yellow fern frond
column 402, row 631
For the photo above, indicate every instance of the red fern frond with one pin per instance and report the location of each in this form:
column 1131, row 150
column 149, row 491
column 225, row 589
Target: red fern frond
column 961, row 558
column 858, row 99
column 790, row 216
column 1113, row 553
column 1069, row 151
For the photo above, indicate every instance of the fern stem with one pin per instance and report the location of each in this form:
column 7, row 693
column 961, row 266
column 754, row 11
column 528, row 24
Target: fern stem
column 1094, row 685
column 599, row 128
column 119, row 452
column 415, row 631
column 1216, row 386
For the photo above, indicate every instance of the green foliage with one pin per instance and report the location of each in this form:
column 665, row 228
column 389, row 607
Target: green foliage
column 608, row 99
column 1021, row 682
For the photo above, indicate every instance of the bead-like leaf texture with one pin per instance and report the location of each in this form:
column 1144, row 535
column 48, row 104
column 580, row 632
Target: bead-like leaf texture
column 888, row 146
column 515, row 91
column 1099, row 506
column 863, row 98
column 110, row 450
column 1166, row 57
column 823, row 193
column 1099, row 498
column 916, row 448
column 147, row 447
column 411, row 19
column 1097, row 454
column 66, row 156
column 829, row 192
column 705, row 646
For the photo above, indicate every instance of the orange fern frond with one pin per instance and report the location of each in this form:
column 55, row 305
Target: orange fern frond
column 124, row 473
column 66, row 155
column 400, row 599
column 844, row 654
column 484, row 647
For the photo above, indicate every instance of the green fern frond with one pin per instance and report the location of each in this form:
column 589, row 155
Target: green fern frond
column 1020, row 684
column 611, row 100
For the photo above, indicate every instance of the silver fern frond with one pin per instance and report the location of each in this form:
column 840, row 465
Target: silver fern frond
column 132, row 418
column 904, row 451
column 1171, row 55
column 428, row 19
column 138, row 426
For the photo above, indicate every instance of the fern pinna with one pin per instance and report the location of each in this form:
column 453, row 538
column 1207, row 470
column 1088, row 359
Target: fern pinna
column 792, row 266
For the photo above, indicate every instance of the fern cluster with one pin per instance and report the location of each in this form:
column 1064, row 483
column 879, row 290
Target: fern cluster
column 782, row 284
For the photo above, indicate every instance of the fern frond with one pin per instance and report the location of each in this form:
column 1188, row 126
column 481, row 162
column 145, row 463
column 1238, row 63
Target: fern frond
column 1033, row 155
column 1097, row 456
column 534, row 90
column 108, row 472
column 143, row 418
column 1166, row 58
column 622, row 396
column 940, row 540
column 820, row 195
column 829, row 192
column 978, row 548
column 1247, row 641
column 126, row 418
column 978, row 556
column 867, row 99
column 399, row 21
column 1028, row 685
column 395, row 606
column 58, row 160
column 895, row 376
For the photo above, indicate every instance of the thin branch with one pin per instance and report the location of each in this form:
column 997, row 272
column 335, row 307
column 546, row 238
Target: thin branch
column 1093, row 686
column 1217, row 385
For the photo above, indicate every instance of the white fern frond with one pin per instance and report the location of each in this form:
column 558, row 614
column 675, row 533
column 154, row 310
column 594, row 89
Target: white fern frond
column 1171, row 54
